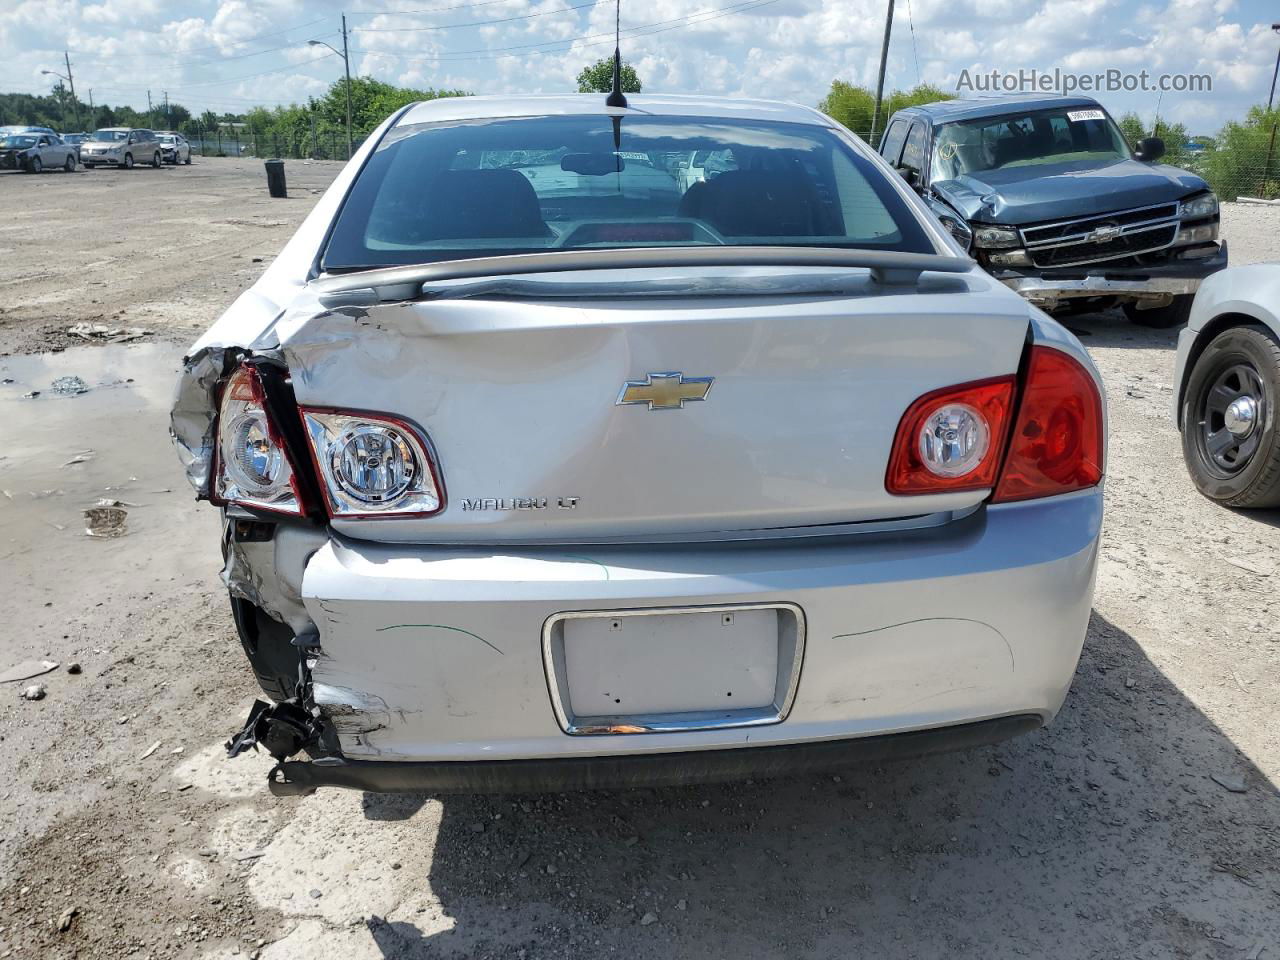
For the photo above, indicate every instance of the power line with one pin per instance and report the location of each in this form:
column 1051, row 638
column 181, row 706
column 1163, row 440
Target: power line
column 488, row 53
column 477, row 23
column 416, row 13
column 251, row 76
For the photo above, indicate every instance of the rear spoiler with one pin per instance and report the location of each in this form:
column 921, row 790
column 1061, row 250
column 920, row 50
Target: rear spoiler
column 389, row 284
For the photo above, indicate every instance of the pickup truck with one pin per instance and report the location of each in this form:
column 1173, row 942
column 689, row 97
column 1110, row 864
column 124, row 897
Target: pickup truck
column 1052, row 201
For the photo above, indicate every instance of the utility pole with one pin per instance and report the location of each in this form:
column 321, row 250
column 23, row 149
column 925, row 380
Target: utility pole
column 168, row 124
column 884, row 61
column 346, row 66
column 74, row 102
column 346, row 63
column 151, row 114
column 1274, row 73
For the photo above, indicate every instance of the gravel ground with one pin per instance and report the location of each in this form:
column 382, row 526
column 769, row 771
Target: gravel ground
column 1144, row 823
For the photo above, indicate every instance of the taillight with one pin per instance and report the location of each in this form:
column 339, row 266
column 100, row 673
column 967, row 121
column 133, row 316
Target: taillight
column 951, row 439
column 253, row 468
column 372, row 465
column 1057, row 441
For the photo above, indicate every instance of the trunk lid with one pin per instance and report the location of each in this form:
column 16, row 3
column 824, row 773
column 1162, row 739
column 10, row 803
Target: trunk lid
column 520, row 400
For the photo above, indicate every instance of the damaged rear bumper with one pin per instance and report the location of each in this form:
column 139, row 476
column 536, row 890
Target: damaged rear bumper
column 427, row 668
column 295, row 778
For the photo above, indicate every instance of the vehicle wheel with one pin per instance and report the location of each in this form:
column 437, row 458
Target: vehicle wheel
column 269, row 646
column 155, row 160
column 128, row 161
column 1161, row 318
column 34, row 165
column 70, row 165
column 187, row 161
column 1230, row 438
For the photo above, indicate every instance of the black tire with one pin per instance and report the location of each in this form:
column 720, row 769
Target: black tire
column 35, row 165
column 128, row 161
column 268, row 645
column 1161, row 318
column 1230, row 434
column 70, row 165
column 156, row 161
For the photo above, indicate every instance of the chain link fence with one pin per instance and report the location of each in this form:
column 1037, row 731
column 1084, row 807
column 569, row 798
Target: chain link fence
column 318, row 145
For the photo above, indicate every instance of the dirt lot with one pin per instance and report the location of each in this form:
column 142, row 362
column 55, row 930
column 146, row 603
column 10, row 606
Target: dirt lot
column 1106, row 835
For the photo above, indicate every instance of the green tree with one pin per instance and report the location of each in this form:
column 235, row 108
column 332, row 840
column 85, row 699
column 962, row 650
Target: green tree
column 598, row 78
column 1237, row 166
column 1174, row 136
column 854, row 106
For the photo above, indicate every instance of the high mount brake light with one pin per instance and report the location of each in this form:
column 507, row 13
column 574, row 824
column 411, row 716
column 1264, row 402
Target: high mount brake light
column 252, row 463
column 372, row 465
column 955, row 438
column 1056, row 445
column 951, row 439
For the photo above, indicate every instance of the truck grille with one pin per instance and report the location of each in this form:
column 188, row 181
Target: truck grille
column 1107, row 236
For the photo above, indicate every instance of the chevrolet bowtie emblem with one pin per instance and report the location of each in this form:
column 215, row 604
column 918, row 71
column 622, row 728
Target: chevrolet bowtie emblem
column 665, row 391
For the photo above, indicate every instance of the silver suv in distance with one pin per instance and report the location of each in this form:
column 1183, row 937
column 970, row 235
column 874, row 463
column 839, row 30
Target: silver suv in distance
column 120, row 147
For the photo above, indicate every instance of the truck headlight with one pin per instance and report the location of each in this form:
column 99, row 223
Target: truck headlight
column 1205, row 233
column 1205, row 205
column 995, row 238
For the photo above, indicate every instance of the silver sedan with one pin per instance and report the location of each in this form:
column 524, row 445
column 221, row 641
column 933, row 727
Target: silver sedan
column 544, row 468
column 1228, row 377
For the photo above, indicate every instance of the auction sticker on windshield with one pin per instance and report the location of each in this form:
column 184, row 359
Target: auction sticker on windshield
column 1075, row 116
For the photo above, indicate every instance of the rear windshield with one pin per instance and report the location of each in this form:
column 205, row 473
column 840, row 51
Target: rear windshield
column 443, row 191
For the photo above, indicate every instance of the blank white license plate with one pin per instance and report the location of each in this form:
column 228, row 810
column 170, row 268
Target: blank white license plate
column 632, row 664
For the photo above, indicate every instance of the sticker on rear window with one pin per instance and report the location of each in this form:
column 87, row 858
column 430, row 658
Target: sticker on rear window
column 1075, row 116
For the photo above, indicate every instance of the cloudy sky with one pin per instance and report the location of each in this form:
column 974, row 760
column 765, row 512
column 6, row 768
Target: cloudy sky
column 230, row 54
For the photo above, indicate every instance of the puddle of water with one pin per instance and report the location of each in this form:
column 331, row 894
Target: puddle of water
column 63, row 455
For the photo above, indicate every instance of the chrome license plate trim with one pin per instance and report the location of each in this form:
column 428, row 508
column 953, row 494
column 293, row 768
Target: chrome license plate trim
column 791, row 643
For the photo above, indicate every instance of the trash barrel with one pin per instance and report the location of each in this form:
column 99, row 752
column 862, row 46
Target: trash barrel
column 275, row 178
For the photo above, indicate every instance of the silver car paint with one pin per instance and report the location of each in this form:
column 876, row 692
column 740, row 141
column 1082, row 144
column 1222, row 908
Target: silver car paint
column 1249, row 294
column 430, row 652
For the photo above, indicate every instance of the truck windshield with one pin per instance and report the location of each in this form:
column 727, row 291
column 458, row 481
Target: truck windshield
column 1064, row 135
column 449, row 190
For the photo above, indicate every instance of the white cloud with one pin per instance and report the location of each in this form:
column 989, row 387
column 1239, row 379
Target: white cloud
column 222, row 53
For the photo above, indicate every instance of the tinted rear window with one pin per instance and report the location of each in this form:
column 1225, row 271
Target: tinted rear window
column 443, row 191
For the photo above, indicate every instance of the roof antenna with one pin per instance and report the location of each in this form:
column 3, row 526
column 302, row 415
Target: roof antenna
column 616, row 98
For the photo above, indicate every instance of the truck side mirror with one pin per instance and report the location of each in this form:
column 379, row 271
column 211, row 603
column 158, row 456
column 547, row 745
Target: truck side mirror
column 1150, row 149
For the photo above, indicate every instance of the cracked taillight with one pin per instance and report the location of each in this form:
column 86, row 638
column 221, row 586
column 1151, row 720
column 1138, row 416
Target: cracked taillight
column 253, row 468
column 372, row 465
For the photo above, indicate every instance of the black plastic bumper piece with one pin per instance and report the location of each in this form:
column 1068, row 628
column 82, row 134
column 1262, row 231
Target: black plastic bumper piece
column 293, row 778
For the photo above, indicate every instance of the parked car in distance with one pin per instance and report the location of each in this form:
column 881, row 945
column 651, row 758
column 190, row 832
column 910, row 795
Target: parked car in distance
column 20, row 128
column 121, row 147
column 36, row 152
column 1055, row 204
column 75, row 139
column 174, row 148
column 1227, row 378
column 600, row 487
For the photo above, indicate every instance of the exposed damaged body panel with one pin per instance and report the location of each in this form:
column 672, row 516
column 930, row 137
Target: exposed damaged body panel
column 540, row 479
